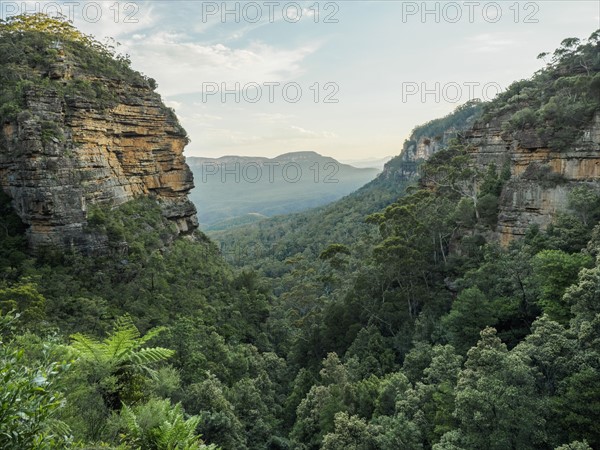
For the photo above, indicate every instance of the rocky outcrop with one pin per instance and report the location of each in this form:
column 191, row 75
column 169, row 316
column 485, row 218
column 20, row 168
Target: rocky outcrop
column 428, row 139
column 65, row 152
column 541, row 178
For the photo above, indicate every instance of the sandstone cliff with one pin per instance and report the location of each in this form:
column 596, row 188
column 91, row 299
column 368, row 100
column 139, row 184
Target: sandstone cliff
column 65, row 151
column 428, row 139
column 542, row 135
column 540, row 176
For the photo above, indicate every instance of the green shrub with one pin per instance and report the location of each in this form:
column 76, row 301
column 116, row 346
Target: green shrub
column 522, row 119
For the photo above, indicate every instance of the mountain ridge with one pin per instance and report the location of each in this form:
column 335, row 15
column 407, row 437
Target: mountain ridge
column 232, row 190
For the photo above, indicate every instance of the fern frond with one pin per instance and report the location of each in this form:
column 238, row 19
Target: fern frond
column 151, row 334
column 58, row 429
column 123, row 339
column 87, row 347
column 151, row 355
column 125, row 322
column 133, row 428
column 177, row 433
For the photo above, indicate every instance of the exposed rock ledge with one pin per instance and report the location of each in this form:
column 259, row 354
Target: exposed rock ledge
column 541, row 177
column 60, row 156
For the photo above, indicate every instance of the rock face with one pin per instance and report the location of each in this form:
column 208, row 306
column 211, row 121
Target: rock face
column 425, row 146
column 541, row 178
column 64, row 153
column 422, row 143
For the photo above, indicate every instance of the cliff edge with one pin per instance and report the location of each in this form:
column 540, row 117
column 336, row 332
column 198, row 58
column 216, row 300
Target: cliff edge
column 543, row 132
column 80, row 128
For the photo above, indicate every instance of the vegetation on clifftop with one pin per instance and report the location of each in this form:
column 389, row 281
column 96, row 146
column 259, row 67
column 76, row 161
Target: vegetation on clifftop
column 46, row 53
column 559, row 100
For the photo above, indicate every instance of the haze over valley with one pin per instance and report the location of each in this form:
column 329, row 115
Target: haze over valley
column 234, row 190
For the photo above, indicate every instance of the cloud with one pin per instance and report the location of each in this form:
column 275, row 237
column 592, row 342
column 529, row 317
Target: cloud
column 114, row 19
column 272, row 118
column 173, row 104
column 490, row 42
column 199, row 116
column 181, row 66
column 296, row 132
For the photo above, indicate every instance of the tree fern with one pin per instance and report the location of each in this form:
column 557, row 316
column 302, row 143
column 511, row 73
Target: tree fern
column 169, row 429
column 121, row 356
column 124, row 339
column 87, row 347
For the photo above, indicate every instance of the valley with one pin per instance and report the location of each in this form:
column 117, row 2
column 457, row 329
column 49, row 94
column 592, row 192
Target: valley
column 449, row 301
column 236, row 190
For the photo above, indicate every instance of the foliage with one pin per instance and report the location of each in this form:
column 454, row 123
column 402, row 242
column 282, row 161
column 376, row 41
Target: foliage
column 159, row 425
column 496, row 404
column 351, row 432
column 34, row 46
column 25, row 298
column 12, row 241
column 470, row 313
column 29, row 398
column 118, row 361
column 559, row 101
column 555, row 271
column 461, row 118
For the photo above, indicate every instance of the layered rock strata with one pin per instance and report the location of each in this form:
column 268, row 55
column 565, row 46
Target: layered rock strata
column 64, row 153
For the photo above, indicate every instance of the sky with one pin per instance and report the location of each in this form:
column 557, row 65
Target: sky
column 348, row 79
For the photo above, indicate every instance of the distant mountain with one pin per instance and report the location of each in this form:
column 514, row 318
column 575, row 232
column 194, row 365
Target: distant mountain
column 375, row 163
column 236, row 190
column 234, row 222
column 267, row 245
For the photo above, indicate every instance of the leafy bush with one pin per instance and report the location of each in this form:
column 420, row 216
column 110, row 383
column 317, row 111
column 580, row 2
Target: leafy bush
column 543, row 174
column 522, row 119
column 29, row 399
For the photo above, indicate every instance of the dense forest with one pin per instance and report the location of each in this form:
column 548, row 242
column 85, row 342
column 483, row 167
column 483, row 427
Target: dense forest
column 391, row 319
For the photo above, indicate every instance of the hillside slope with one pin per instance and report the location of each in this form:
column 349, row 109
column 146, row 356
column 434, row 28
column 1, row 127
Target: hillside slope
column 310, row 232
